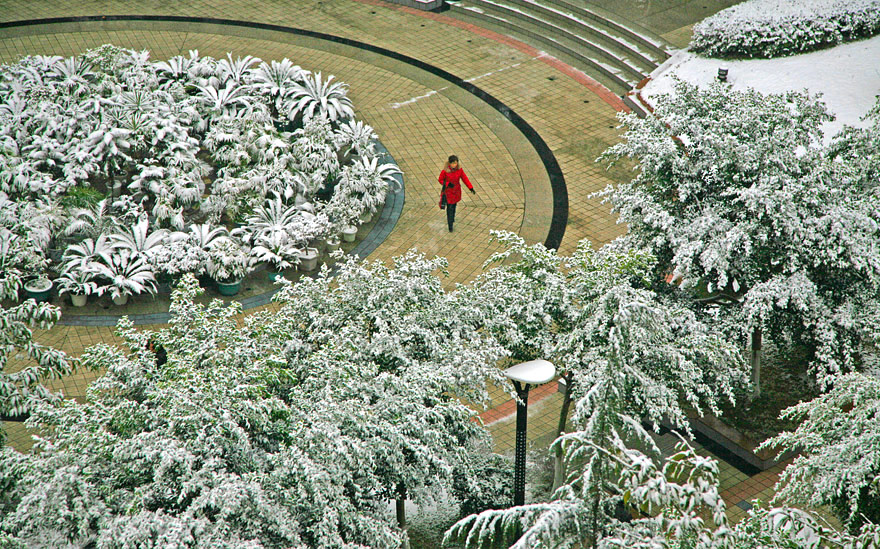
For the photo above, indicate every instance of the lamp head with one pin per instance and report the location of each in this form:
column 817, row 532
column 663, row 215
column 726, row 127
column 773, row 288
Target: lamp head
column 533, row 372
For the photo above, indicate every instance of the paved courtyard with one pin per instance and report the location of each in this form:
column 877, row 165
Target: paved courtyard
column 420, row 116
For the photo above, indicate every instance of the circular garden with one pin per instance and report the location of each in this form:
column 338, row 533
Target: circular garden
column 119, row 174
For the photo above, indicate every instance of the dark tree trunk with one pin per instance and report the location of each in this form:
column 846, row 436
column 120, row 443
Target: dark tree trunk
column 400, row 505
column 559, row 463
column 755, row 359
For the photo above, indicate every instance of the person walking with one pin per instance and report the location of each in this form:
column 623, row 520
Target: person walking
column 451, row 178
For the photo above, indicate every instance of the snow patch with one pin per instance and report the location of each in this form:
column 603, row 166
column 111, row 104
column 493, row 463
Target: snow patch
column 847, row 76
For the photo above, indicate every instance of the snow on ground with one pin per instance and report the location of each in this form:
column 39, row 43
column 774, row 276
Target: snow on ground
column 847, row 76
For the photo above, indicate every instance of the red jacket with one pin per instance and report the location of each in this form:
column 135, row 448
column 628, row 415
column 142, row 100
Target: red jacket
column 452, row 183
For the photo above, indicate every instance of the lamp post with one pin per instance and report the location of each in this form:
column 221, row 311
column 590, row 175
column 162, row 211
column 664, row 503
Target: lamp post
column 524, row 376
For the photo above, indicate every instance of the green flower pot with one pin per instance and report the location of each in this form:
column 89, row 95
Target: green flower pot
column 36, row 292
column 228, row 288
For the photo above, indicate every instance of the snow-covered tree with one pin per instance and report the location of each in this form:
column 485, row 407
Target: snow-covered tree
column 293, row 430
column 839, row 445
column 24, row 363
column 632, row 355
column 736, row 198
column 680, row 506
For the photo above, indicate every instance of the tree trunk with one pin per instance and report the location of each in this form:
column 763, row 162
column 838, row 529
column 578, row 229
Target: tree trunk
column 755, row 359
column 400, row 505
column 559, row 463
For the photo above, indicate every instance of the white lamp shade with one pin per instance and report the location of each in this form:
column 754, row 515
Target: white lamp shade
column 533, row 372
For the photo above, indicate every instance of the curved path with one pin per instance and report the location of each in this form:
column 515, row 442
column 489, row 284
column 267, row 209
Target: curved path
column 420, row 116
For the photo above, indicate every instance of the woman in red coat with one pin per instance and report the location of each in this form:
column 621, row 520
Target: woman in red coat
column 451, row 178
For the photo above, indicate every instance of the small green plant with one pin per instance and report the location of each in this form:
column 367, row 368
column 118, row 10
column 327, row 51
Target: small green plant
column 81, row 197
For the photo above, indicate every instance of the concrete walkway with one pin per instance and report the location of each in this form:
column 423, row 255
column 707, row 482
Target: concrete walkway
column 420, row 117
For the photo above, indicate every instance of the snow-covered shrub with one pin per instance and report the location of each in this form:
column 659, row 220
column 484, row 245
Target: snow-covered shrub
column 179, row 253
column 488, row 484
column 18, row 259
column 773, row 28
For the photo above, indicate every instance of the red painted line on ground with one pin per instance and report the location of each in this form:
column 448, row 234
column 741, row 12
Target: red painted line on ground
column 508, row 408
column 580, row 77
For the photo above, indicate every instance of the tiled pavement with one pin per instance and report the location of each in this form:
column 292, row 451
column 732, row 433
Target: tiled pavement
column 420, row 118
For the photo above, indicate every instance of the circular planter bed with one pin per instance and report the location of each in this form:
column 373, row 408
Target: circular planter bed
column 207, row 152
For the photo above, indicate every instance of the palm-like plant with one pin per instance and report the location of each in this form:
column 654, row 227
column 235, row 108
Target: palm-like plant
column 79, row 282
column 277, row 250
column 357, row 136
column 315, row 96
column 136, row 239
column 226, row 101
column 235, row 71
column 176, row 68
column 93, row 221
column 276, row 78
column 205, row 235
column 82, row 256
column 126, row 275
column 73, row 72
column 270, row 218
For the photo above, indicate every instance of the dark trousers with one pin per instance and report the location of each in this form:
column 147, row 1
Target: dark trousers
column 450, row 214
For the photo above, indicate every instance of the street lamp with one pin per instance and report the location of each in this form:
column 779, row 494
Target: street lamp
column 524, row 375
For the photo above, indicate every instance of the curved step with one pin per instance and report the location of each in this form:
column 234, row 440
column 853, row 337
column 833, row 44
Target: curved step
column 596, row 29
column 608, row 74
column 610, row 77
column 627, row 30
column 582, row 40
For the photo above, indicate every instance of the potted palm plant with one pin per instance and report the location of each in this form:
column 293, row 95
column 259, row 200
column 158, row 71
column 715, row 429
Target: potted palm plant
column 227, row 264
column 79, row 282
column 277, row 250
column 126, row 275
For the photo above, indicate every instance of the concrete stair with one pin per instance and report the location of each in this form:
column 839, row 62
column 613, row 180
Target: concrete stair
column 617, row 55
